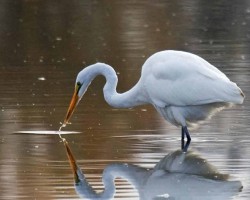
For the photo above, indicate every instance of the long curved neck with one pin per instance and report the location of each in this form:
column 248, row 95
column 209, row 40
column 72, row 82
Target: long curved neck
column 133, row 174
column 135, row 96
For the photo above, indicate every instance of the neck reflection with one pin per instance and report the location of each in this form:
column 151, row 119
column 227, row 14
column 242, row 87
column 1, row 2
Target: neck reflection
column 177, row 176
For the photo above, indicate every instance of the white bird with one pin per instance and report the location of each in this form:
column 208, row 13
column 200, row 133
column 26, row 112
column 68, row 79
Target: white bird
column 184, row 88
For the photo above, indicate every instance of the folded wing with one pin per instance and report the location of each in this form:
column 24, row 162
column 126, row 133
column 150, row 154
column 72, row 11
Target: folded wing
column 181, row 79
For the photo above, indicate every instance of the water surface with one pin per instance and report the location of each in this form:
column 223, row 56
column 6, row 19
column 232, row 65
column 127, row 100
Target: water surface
column 43, row 46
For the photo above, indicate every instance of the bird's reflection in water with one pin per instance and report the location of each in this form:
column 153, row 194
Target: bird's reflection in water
column 177, row 176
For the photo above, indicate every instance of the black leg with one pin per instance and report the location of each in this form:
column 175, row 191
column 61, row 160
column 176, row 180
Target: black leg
column 182, row 138
column 184, row 131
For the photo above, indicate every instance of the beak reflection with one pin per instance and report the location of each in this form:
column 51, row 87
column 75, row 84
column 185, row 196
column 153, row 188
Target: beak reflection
column 72, row 161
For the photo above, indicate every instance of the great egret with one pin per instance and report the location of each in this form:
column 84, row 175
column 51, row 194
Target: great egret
column 177, row 176
column 183, row 87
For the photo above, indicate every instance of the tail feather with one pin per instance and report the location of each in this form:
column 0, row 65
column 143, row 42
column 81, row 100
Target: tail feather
column 231, row 93
column 238, row 95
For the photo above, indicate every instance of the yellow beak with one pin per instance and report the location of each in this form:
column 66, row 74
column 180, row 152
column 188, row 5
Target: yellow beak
column 71, row 108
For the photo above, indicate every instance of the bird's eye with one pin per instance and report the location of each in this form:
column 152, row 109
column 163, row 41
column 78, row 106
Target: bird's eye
column 78, row 83
column 78, row 86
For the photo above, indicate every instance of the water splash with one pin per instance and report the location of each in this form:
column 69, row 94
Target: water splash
column 59, row 132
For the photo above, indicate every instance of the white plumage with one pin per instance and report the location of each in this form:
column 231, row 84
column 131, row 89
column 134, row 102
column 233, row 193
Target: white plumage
column 186, row 79
column 183, row 87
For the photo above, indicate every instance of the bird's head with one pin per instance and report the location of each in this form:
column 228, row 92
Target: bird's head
column 82, row 82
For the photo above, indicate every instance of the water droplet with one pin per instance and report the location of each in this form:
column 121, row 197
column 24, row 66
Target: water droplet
column 157, row 29
column 211, row 42
column 41, row 78
column 243, row 57
column 58, row 38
